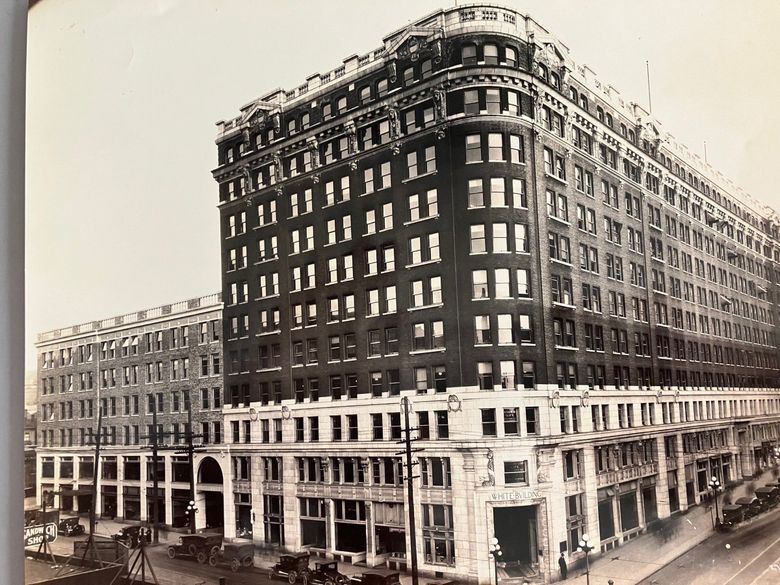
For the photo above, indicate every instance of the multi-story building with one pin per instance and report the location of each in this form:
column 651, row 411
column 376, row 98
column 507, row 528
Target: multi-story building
column 582, row 312
column 128, row 366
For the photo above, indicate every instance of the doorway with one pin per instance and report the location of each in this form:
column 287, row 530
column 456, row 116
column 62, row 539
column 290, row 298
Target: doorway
column 215, row 512
column 516, row 531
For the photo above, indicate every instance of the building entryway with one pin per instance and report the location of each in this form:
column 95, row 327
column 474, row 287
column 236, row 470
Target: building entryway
column 516, row 530
column 215, row 510
column 210, row 485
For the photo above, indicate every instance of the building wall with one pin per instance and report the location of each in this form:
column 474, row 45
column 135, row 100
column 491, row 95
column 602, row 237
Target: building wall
column 627, row 430
column 124, row 376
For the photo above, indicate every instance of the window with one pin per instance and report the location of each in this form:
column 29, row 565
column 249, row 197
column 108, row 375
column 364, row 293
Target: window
column 473, row 148
column 516, row 472
column 495, row 147
column 468, row 54
column 488, row 422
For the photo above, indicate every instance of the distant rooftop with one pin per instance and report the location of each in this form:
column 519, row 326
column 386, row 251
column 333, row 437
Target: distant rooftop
column 172, row 309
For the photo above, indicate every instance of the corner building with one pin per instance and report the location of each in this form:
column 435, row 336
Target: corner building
column 582, row 313
column 128, row 366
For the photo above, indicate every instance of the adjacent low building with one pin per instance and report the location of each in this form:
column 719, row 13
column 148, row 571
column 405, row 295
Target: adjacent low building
column 582, row 312
column 162, row 359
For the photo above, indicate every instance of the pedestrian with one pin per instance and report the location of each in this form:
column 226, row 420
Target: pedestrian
column 563, row 566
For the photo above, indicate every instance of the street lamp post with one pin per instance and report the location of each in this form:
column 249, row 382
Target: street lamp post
column 190, row 511
column 495, row 553
column 715, row 487
column 586, row 547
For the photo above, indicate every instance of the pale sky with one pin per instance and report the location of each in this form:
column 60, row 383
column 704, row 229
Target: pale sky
column 123, row 96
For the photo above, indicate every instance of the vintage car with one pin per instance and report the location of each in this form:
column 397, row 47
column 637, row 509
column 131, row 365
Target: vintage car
column 768, row 496
column 235, row 555
column 130, row 536
column 291, row 567
column 198, row 546
column 373, row 578
column 326, row 573
column 750, row 506
column 70, row 527
column 732, row 516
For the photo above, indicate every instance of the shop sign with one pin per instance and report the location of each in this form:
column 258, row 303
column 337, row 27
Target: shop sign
column 515, row 495
column 34, row 535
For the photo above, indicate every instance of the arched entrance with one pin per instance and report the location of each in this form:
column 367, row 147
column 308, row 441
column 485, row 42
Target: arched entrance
column 210, row 484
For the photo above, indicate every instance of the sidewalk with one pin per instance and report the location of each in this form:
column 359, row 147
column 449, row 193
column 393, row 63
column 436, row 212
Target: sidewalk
column 638, row 559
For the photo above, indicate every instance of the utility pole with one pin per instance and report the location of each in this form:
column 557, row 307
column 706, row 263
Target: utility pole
column 155, row 479
column 96, row 463
column 407, row 440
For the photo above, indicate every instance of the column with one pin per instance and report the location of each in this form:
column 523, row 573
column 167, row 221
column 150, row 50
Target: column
column 145, row 515
column 166, row 485
column 370, row 531
column 591, row 503
column 682, row 489
column 330, row 528
column 662, row 484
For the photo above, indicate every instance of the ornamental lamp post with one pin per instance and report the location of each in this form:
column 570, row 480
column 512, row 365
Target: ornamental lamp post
column 495, row 553
column 715, row 487
column 190, row 511
column 585, row 546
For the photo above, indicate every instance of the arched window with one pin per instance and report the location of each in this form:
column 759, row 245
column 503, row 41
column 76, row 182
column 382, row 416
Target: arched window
column 291, row 127
column 623, row 130
column 365, row 94
column 542, row 71
column 511, row 57
column 600, row 113
column 381, row 87
column 584, row 102
column 425, row 69
column 555, row 80
column 491, row 54
column 573, row 94
column 468, row 54
column 608, row 119
column 341, row 105
column 631, row 136
column 326, row 111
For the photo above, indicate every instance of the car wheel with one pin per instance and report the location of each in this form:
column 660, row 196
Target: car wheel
column 213, row 560
column 202, row 558
column 292, row 577
column 248, row 561
column 171, row 552
column 329, row 582
column 192, row 549
column 341, row 580
column 305, row 579
column 235, row 565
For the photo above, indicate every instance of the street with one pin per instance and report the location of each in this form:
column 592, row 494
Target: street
column 750, row 555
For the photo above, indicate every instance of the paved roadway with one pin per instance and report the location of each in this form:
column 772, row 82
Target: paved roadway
column 750, row 555
column 194, row 572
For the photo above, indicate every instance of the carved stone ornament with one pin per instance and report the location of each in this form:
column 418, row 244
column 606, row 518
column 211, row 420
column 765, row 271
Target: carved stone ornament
column 351, row 132
column 659, row 395
column 676, row 394
column 395, row 122
column 353, row 165
column 315, row 178
column 453, row 403
column 286, row 414
column 438, row 50
column 252, row 414
column 277, row 122
column 440, row 103
column 246, row 176
column 555, row 399
column 491, row 470
column 278, row 171
column 314, row 151
column 585, row 398
column 250, row 201
column 279, row 191
column 544, row 461
column 440, row 133
column 396, row 148
column 391, row 71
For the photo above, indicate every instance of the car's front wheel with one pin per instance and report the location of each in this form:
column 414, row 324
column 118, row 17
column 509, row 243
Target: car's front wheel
column 292, row 577
column 171, row 552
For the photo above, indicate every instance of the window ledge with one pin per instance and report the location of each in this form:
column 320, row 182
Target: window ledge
column 421, row 219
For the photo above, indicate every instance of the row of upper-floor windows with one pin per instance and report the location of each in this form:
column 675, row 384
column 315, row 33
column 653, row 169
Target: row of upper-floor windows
column 177, row 337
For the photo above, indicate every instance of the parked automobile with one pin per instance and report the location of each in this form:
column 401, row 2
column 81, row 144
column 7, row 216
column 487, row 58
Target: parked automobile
column 750, row 506
column 292, row 567
column 129, row 535
column 197, row 546
column 70, row 527
column 372, row 578
column 326, row 573
column 732, row 516
column 768, row 496
column 235, row 555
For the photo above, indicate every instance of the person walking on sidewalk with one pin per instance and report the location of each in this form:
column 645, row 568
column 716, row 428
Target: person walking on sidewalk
column 564, row 567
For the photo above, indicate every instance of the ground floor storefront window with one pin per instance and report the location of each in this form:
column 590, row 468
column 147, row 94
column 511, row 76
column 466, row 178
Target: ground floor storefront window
column 161, row 499
column 131, row 502
column 273, row 519
column 312, row 511
column 438, row 535
column 243, row 502
column 606, row 514
column 108, row 496
column 350, row 525
column 389, row 532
